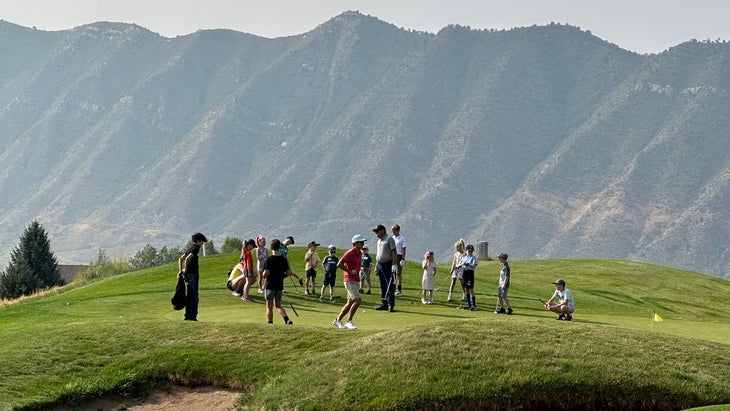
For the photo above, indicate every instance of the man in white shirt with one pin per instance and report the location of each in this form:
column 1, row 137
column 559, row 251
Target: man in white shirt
column 400, row 251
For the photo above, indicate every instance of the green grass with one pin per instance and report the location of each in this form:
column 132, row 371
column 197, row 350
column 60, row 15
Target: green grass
column 120, row 336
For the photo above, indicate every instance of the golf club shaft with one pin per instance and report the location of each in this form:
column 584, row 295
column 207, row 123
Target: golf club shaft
column 295, row 284
column 442, row 283
column 291, row 305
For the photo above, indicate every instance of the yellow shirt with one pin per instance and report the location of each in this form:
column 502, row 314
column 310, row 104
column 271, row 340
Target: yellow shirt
column 237, row 271
column 311, row 260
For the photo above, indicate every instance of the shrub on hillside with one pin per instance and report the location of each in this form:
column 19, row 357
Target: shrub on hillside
column 102, row 267
column 108, row 268
column 149, row 256
column 231, row 245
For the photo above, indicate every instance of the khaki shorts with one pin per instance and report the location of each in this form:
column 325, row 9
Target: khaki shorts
column 364, row 276
column 353, row 290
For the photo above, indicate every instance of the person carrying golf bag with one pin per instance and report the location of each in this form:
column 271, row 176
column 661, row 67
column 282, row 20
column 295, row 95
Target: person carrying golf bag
column 188, row 268
column 385, row 258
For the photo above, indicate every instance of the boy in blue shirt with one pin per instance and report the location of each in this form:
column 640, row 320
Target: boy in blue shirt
column 330, row 273
column 468, row 263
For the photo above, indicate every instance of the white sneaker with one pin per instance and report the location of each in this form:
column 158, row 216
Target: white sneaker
column 350, row 325
column 423, row 300
column 236, row 294
column 449, row 299
column 398, row 294
column 337, row 323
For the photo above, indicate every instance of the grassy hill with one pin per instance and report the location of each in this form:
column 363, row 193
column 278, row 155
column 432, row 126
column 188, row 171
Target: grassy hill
column 121, row 336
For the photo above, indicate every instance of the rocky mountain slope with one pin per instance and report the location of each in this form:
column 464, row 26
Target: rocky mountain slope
column 543, row 141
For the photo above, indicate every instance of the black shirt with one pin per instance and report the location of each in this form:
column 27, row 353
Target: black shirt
column 278, row 266
column 192, row 265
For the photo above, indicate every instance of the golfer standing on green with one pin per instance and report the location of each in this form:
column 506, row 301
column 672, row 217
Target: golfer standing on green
column 188, row 268
column 350, row 264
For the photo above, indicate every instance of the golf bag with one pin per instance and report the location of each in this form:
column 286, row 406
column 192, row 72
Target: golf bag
column 179, row 299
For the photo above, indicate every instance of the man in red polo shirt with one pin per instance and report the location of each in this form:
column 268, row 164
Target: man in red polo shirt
column 350, row 264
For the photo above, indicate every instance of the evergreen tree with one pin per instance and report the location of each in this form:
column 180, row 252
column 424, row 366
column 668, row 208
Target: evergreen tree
column 32, row 264
column 18, row 280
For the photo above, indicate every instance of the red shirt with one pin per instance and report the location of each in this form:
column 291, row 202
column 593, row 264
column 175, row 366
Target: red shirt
column 351, row 261
column 248, row 261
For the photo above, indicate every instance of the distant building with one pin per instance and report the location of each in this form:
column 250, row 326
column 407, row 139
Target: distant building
column 68, row 272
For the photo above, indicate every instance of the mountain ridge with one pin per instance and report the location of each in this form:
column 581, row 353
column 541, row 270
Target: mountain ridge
column 545, row 141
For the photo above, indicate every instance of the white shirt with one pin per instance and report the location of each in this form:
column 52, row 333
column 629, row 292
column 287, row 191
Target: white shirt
column 400, row 244
column 563, row 296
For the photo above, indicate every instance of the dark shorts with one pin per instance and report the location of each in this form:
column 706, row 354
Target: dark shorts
column 311, row 273
column 229, row 284
column 329, row 278
column 468, row 278
column 273, row 295
column 398, row 259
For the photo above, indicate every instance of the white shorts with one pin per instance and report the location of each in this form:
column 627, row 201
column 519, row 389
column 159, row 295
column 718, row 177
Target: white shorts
column 353, row 289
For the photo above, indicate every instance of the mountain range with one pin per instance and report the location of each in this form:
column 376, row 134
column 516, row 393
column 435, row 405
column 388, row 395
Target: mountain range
column 543, row 141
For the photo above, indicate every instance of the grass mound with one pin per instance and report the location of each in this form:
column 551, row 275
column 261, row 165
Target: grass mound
column 121, row 336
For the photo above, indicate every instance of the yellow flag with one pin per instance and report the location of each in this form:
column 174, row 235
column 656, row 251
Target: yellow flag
column 657, row 317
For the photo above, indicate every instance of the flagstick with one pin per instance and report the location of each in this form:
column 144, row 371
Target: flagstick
column 653, row 313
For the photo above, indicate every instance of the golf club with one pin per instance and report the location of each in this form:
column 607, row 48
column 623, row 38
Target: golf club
column 291, row 305
column 442, row 284
column 295, row 284
column 387, row 290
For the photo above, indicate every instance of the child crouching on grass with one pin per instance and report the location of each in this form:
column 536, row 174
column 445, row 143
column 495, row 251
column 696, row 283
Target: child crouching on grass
column 429, row 272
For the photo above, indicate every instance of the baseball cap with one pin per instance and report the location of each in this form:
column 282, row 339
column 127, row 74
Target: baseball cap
column 332, row 247
column 378, row 228
column 470, row 247
column 250, row 241
column 559, row 281
column 357, row 238
column 311, row 243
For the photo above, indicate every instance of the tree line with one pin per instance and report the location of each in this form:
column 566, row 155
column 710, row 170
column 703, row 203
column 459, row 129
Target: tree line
column 33, row 267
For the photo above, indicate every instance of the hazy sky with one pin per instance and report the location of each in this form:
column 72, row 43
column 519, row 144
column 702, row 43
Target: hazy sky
column 645, row 26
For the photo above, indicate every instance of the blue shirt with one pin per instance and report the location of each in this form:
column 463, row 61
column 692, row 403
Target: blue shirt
column 469, row 259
